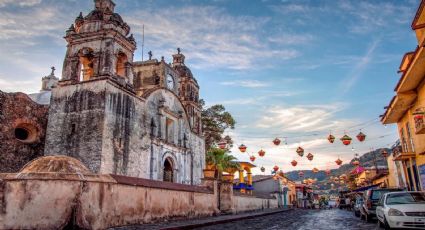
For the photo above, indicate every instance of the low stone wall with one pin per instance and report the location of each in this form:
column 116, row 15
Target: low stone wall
column 53, row 201
column 244, row 203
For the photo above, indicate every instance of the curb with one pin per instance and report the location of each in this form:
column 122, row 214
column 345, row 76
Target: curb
column 222, row 221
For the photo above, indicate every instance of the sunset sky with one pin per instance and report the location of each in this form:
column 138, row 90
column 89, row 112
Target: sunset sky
column 295, row 69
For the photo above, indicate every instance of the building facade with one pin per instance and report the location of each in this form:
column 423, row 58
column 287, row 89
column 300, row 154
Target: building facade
column 116, row 115
column 407, row 109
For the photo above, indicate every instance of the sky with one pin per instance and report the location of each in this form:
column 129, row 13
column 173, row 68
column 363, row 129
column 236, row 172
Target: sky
column 296, row 70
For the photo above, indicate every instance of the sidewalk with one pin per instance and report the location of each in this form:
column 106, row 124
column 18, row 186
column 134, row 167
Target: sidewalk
column 206, row 221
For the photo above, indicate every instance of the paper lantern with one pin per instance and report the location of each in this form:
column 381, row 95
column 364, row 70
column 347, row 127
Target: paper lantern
column 294, row 163
column 275, row 168
column 346, row 140
column 361, row 137
column 310, row 156
column 263, row 169
column 331, row 138
column 338, row 161
column 328, row 172
column 252, row 158
column 300, row 151
column 242, row 148
column 261, row 153
column 276, row 141
column 356, row 163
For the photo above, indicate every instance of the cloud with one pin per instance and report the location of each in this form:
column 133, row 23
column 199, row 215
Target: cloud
column 359, row 68
column 210, row 37
column 301, row 118
column 22, row 3
column 245, row 83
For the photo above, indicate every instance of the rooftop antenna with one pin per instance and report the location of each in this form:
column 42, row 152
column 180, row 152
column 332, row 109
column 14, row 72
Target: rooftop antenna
column 143, row 39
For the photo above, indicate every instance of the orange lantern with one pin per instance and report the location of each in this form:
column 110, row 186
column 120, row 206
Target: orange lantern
column 361, row 137
column 346, row 140
column 261, row 153
column 331, row 138
column 242, row 148
column 275, row 168
column 315, row 170
column 252, row 158
column 294, row 163
column 356, row 163
column 276, row 141
column 310, row 156
column 338, row 161
column 300, row 151
column 222, row 144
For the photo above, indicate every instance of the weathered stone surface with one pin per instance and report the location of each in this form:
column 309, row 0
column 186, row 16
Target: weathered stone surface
column 18, row 113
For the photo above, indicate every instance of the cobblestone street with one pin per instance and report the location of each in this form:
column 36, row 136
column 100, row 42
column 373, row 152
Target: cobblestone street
column 301, row 220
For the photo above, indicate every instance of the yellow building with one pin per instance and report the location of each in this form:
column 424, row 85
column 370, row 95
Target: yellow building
column 407, row 108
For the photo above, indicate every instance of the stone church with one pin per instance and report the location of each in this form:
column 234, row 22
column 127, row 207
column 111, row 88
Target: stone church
column 115, row 114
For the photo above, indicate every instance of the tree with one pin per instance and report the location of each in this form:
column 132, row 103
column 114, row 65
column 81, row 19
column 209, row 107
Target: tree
column 221, row 161
column 215, row 120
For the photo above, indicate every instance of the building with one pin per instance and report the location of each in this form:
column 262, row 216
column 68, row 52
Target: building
column 407, row 108
column 367, row 175
column 278, row 186
column 114, row 114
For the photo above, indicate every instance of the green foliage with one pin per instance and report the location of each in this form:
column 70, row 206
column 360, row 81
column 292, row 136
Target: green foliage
column 215, row 120
column 221, row 161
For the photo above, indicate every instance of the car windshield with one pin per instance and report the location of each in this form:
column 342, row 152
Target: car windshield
column 376, row 194
column 405, row 198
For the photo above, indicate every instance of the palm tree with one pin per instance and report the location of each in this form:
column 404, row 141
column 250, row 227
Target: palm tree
column 220, row 161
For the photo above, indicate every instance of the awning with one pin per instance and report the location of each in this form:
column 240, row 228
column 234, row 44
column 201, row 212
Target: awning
column 404, row 156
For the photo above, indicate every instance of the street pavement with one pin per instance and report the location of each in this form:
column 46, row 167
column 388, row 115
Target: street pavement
column 301, row 219
column 296, row 219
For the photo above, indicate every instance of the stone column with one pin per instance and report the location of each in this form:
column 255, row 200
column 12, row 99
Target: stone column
column 226, row 197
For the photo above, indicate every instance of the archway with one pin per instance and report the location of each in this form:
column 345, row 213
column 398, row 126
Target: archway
column 121, row 62
column 86, row 58
column 168, row 170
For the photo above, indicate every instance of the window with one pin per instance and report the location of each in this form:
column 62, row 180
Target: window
column 169, row 130
column 409, row 137
column 168, row 170
column 403, row 141
column 86, row 64
column 121, row 62
column 26, row 133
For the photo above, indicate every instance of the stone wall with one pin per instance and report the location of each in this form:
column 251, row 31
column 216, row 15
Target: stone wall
column 18, row 111
column 244, row 203
column 53, row 201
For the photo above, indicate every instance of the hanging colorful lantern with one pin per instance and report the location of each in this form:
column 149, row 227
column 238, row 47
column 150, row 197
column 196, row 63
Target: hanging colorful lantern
column 384, row 153
column 252, row 158
column 222, row 144
column 328, row 172
column 301, row 174
column 356, row 163
column 275, row 168
column 276, row 141
column 262, row 169
column 315, row 170
column 294, row 163
column 331, row 138
column 346, row 140
column 300, row 151
column 361, row 137
column 338, row 161
column 310, row 156
column 261, row 153
column 242, row 148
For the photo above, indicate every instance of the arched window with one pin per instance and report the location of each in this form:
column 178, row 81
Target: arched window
column 121, row 62
column 86, row 64
column 168, row 170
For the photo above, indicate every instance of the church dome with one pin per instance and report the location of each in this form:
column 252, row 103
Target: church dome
column 55, row 164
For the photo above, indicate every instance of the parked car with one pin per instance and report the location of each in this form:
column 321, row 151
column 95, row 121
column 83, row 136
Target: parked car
column 401, row 210
column 370, row 201
column 358, row 202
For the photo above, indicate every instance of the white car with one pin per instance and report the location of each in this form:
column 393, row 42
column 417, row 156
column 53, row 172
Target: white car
column 401, row 210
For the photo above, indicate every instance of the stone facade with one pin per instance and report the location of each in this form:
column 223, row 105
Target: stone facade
column 22, row 130
column 146, row 127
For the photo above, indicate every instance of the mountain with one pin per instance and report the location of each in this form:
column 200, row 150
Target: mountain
column 368, row 159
